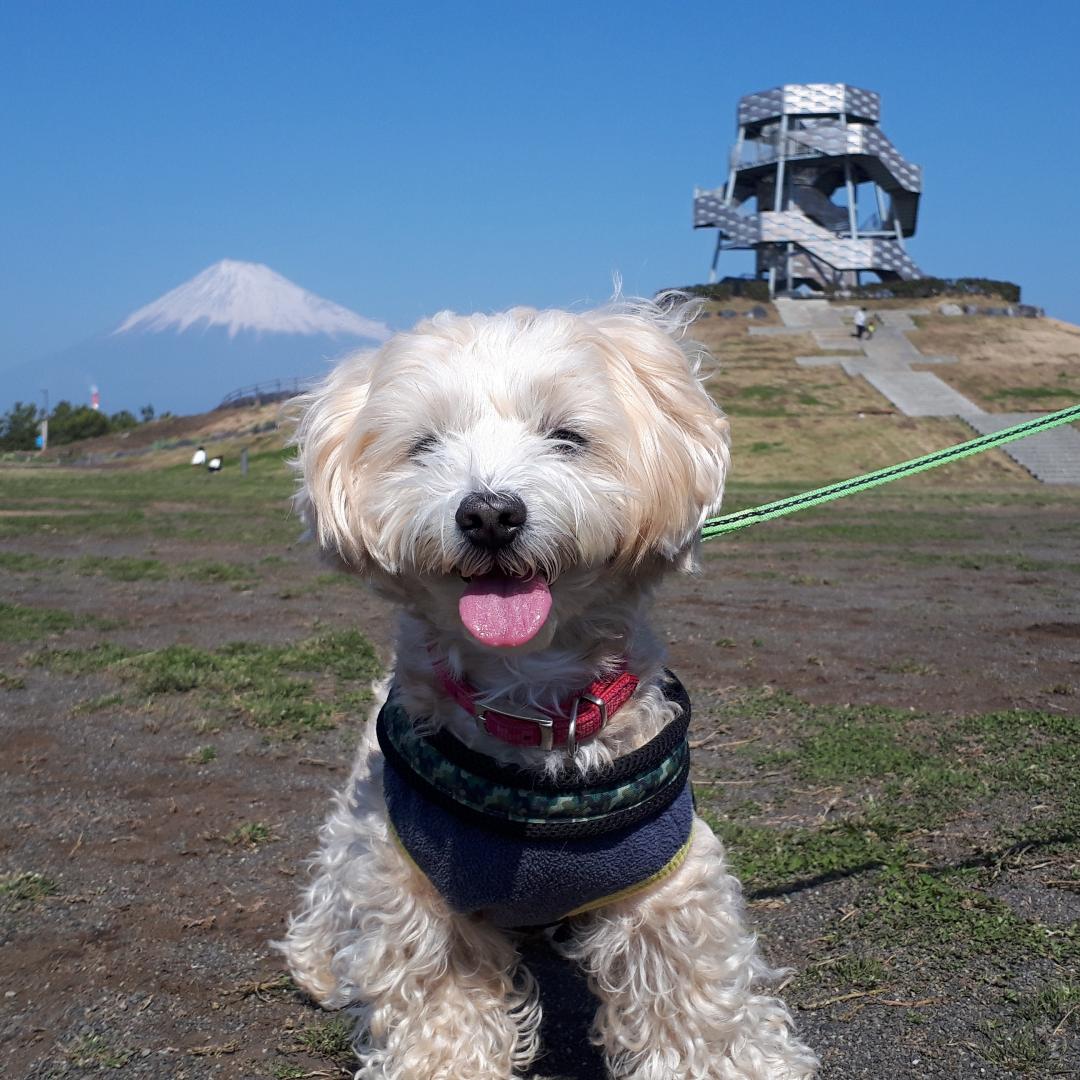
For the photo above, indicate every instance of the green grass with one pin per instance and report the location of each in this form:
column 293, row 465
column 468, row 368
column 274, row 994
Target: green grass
column 131, row 568
column 11, row 682
column 252, row 834
column 264, row 685
column 859, row 972
column 843, row 974
column 96, row 1052
column 282, row 1070
column 1034, row 393
column 122, row 568
column 922, row 817
column 769, row 859
column 97, row 704
column 1038, row 1023
column 950, row 917
column 207, row 571
column 902, row 775
column 203, row 755
column 27, row 887
column 98, row 657
column 331, row 1039
column 20, row 562
column 20, row 623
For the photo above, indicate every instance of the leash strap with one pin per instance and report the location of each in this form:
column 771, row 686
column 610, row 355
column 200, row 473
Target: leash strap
column 730, row 522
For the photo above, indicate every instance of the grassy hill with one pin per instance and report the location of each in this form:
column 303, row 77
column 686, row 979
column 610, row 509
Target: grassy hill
column 797, row 426
column 792, row 427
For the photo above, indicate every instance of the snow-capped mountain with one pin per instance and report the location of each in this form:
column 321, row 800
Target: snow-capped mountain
column 232, row 325
column 249, row 296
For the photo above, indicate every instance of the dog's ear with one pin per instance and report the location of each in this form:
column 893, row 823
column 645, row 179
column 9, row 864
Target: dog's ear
column 681, row 439
column 330, row 442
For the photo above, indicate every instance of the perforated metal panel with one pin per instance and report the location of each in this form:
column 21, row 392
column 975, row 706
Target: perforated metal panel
column 809, row 99
column 818, row 136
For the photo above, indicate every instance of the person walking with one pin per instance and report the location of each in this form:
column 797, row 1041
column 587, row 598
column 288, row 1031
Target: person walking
column 860, row 322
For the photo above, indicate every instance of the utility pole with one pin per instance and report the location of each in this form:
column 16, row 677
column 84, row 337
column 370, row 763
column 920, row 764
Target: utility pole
column 45, row 422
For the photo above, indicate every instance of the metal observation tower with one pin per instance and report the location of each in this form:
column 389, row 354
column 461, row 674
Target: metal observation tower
column 815, row 189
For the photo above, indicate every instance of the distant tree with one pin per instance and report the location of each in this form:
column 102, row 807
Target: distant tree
column 122, row 421
column 70, row 422
column 19, row 427
column 146, row 414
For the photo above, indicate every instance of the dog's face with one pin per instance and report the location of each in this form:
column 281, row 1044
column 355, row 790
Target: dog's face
column 501, row 469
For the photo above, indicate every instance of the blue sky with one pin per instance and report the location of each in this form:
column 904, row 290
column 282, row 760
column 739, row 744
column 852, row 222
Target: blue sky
column 403, row 158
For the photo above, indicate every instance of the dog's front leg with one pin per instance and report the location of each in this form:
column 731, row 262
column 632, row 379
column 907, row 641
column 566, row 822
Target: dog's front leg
column 680, row 981
column 442, row 995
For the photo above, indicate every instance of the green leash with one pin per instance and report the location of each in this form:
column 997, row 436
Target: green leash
column 730, row 522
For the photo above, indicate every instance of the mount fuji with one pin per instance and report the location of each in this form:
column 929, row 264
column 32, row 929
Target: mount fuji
column 234, row 324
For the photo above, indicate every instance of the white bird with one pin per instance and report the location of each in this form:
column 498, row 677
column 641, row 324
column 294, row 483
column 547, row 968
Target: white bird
column 199, row 457
column 214, row 464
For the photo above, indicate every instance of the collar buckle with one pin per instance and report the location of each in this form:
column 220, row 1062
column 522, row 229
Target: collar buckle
column 545, row 723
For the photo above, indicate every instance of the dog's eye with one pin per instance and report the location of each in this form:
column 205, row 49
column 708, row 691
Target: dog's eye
column 567, row 441
column 423, row 445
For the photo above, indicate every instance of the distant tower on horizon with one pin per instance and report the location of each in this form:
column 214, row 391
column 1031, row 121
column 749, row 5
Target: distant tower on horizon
column 815, row 189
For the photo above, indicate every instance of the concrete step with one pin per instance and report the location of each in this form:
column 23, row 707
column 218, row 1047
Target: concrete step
column 807, row 313
column 1051, row 456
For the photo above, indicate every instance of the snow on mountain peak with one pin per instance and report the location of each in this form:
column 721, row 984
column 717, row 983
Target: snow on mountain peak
column 249, row 296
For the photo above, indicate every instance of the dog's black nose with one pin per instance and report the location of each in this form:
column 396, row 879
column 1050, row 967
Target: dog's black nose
column 491, row 519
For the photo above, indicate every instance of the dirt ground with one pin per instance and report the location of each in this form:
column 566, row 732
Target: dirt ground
column 887, row 711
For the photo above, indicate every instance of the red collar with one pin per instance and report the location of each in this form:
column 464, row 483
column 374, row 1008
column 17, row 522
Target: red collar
column 582, row 716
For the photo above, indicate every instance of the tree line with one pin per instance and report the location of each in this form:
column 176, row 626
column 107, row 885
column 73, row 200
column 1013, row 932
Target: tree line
column 21, row 424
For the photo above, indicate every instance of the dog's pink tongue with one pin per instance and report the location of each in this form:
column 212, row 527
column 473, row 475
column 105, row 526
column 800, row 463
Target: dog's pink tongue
column 504, row 611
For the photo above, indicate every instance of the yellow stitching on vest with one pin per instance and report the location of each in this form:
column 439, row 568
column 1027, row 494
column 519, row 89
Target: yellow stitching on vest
column 665, row 871
column 405, row 851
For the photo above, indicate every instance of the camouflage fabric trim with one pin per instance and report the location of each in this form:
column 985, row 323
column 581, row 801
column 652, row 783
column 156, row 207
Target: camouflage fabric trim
column 520, row 804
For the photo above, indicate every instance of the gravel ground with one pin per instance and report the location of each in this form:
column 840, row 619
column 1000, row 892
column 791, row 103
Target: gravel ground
column 166, row 868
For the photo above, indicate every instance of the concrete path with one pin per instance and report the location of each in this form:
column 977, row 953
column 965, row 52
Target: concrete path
column 885, row 362
column 919, row 393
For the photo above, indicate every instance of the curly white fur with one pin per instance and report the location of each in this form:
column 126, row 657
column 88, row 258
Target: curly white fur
column 388, row 447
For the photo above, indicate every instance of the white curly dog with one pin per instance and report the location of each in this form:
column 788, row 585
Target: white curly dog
column 518, row 484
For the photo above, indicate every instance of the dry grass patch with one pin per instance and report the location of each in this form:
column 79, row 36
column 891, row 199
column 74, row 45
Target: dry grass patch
column 802, row 451
column 1006, row 365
